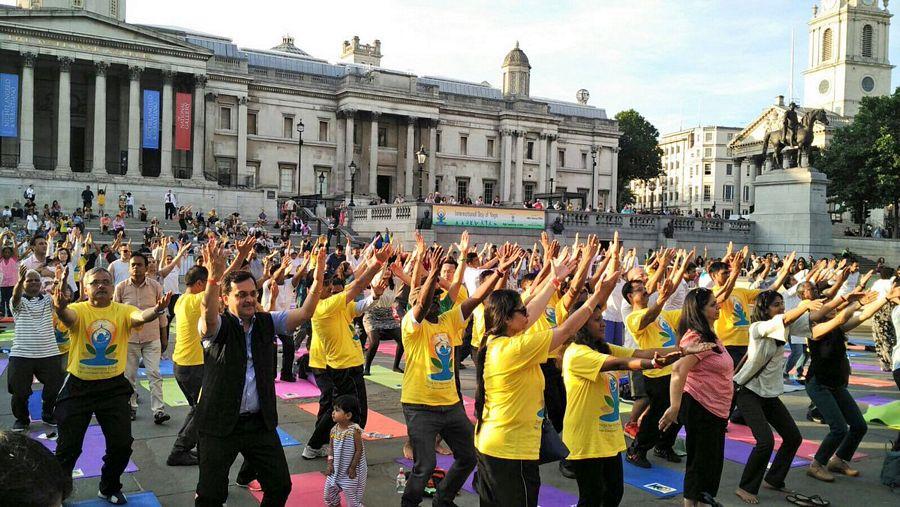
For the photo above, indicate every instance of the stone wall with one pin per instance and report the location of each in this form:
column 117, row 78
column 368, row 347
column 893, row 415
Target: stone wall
column 870, row 249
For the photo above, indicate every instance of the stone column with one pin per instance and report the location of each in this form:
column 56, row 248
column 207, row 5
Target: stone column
column 505, row 163
column 520, row 165
column 134, row 121
column 752, row 179
column 199, row 124
column 26, row 131
column 242, row 138
column 165, row 152
column 373, row 154
column 738, row 170
column 542, row 163
column 614, row 178
column 348, row 156
column 432, row 154
column 554, row 159
column 99, row 155
column 64, row 115
column 410, row 155
column 339, row 154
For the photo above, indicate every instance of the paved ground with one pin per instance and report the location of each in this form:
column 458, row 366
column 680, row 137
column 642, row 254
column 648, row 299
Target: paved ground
column 175, row 486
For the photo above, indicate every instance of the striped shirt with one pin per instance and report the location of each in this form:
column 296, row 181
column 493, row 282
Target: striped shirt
column 34, row 333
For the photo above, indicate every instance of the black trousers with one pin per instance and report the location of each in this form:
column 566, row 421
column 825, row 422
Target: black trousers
column 600, row 481
column 190, row 380
column 423, row 423
column 287, row 356
column 759, row 413
column 507, row 482
column 705, row 444
column 19, row 379
column 554, row 394
column 260, row 447
column 375, row 337
column 333, row 383
column 649, row 435
column 108, row 400
column 5, row 297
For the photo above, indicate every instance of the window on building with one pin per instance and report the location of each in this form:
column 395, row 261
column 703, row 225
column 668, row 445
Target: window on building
column 728, row 192
column 287, row 129
column 529, row 150
column 707, row 168
column 746, row 193
column 528, row 190
column 438, row 141
column 382, row 136
column 707, row 152
column 726, row 213
column 708, row 137
column 584, row 162
column 251, row 123
column 867, row 33
column 690, row 194
column 678, row 149
column 251, row 178
column 462, row 188
column 826, row 45
column 356, row 132
column 561, row 158
column 226, row 171
column 463, row 145
column 489, row 190
column 730, row 136
column 286, row 174
column 437, row 183
column 728, row 169
column 323, row 131
column 489, row 152
column 224, row 118
column 707, row 193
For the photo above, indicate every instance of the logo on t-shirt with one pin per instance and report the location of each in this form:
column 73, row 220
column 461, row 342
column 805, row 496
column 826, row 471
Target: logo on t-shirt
column 100, row 334
column 441, row 358
column 740, row 316
column 612, row 401
column 551, row 316
column 667, row 334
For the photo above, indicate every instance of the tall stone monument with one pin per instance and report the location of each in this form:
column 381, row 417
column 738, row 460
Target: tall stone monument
column 791, row 212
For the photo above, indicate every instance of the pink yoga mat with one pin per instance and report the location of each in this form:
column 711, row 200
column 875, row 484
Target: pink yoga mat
column 469, row 405
column 807, row 449
column 299, row 389
column 387, row 347
column 307, row 490
column 91, row 459
column 856, row 380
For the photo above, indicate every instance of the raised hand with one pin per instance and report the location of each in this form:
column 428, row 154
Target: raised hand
column 420, row 243
column 813, row 305
column 463, row 244
column 666, row 289
column 560, row 268
column 244, row 247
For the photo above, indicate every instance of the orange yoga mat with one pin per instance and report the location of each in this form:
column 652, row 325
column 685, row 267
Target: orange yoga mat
column 378, row 426
column 856, row 380
column 307, row 490
column 807, row 448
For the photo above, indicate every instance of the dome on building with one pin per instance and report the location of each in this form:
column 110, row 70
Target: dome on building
column 516, row 57
column 287, row 46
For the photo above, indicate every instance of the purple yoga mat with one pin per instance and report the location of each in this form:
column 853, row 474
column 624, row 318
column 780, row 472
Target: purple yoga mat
column 91, row 459
column 299, row 389
column 865, row 367
column 874, row 399
column 547, row 497
column 3, row 364
column 739, row 452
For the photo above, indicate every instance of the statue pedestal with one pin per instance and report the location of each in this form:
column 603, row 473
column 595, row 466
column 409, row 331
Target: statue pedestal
column 791, row 212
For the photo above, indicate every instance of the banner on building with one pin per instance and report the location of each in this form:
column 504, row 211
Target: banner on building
column 474, row 216
column 9, row 105
column 183, row 121
column 150, row 132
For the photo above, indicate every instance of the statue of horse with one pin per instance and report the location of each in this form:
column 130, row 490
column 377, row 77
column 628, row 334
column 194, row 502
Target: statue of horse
column 804, row 137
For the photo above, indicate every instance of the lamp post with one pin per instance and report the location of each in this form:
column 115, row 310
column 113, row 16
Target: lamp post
column 551, row 185
column 652, row 187
column 319, row 199
column 352, row 182
column 593, row 175
column 300, row 128
column 421, row 156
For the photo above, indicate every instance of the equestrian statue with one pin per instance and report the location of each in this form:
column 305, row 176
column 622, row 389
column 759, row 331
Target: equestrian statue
column 794, row 134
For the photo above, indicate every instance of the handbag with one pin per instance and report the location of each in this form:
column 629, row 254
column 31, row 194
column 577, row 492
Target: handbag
column 552, row 446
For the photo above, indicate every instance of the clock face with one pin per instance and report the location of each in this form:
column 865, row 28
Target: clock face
column 824, row 86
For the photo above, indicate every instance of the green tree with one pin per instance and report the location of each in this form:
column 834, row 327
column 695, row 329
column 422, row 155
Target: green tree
column 639, row 153
column 862, row 161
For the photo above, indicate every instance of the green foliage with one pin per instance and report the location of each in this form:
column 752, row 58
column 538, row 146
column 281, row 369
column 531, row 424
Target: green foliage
column 640, row 157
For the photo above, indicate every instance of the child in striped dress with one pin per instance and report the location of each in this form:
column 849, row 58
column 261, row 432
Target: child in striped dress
column 347, row 465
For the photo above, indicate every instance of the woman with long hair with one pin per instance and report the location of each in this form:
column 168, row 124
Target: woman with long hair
column 700, row 393
column 760, row 384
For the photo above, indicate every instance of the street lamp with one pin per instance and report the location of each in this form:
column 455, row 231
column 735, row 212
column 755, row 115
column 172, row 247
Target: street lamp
column 593, row 175
column 421, row 156
column 319, row 199
column 652, row 187
column 300, row 128
column 551, row 185
column 352, row 182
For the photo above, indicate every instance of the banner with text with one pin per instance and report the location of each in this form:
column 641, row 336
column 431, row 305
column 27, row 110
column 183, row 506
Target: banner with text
column 9, row 105
column 474, row 216
column 183, row 121
column 150, row 132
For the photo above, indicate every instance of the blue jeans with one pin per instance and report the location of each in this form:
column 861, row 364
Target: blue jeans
column 841, row 413
column 797, row 357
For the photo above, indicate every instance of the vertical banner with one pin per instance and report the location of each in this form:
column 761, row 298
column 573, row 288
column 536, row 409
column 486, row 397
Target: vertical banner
column 150, row 132
column 183, row 121
column 9, row 105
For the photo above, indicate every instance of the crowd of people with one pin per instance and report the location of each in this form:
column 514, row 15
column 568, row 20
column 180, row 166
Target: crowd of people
column 553, row 332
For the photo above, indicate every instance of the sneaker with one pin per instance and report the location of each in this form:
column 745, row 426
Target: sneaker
column 160, row 417
column 565, row 468
column 667, row 454
column 313, row 453
column 817, row 471
column 117, row 498
column 637, row 460
column 631, row 429
column 48, row 419
column 816, row 418
column 133, row 414
column 182, row 459
column 252, row 485
column 839, row 466
column 20, row 426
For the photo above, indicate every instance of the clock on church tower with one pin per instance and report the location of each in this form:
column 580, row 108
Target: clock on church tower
column 848, row 55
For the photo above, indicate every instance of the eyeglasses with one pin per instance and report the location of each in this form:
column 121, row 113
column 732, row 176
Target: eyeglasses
column 523, row 310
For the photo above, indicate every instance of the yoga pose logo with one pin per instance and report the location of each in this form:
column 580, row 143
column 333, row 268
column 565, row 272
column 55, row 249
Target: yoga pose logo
column 442, row 359
column 100, row 334
column 612, row 401
column 667, row 334
column 740, row 316
column 551, row 316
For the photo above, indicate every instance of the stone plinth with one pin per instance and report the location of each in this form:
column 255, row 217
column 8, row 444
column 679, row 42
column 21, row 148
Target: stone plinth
column 791, row 212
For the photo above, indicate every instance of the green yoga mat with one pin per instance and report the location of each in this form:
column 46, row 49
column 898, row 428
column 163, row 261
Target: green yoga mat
column 888, row 414
column 386, row 377
column 7, row 335
column 172, row 394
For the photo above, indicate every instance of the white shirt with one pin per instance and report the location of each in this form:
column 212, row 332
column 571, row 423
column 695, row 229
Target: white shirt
column 765, row 353
column 129, row 200
column 170, row 282
column 849, row 284
column 32, row 262
column 895, row 356
column 613, row 310
column 119, row 270
column 34, row 333
column 32, row 223
column 706, row 281
column 883, row 287
column 676, row 300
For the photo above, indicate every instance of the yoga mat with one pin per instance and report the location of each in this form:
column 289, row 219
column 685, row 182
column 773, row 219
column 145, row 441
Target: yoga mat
column 625, row 407
column 807, row 448
column 856, row 380
column 299, row 389
column 306, row 491
column 865, row 367
column 888, row 414
column 143, row 499
column 378, row 426
column 739, row 452
column 862, row 341
column 659, row 481
column 469, row 406
column 387, row 347
column 91, row 459
column 172, row 394
column 874, row 399
column 386, row 377
column 34, row 404
column 4, row 362
column 166, row 369
column 855, row 354
column 790, row 388
column 286, row 439
column 299, row 352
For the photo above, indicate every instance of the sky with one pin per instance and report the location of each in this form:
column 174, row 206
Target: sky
column 680, row 63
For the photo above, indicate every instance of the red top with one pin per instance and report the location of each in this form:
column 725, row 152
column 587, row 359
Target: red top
column 709, row 381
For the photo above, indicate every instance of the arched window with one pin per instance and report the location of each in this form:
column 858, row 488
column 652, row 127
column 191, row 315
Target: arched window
column 826, row 45
column 867, row 34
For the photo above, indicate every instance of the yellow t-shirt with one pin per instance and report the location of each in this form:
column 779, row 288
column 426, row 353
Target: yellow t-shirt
column 478, row 326
column 733, row 324
column 658, row 334
column 514, row 395
column 429, row 378
column 79, row 269
column 99, row 340
column 591, row 427
column 61, row 332
column 334, row 341
column 188, row 349
column 101, row 199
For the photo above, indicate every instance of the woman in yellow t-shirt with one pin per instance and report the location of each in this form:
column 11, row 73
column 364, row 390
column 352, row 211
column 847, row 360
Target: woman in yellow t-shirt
column 595, row 449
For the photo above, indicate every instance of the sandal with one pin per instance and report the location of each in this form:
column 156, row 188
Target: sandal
column 807, row 501
column 710, row 500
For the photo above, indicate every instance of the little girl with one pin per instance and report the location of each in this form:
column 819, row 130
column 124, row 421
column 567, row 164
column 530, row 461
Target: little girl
column 346, row 455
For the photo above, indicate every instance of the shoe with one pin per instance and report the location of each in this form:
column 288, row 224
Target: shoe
column 814, row 418
column 160, row 417
column 312, row 453
column 667, row 454
column 817, row 471
column 48, row 420
column 637, row 460
column 839, row 466
column 631, row 429
column 182, row 459
column 194, row 453
column 20, row 426
column 133, row 414
column 117, row 498
column 565, row 468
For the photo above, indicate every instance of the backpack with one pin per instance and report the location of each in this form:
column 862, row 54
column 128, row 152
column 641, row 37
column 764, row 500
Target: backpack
column 890, row 470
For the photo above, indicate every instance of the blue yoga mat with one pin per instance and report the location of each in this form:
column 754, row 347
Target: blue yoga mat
column 34, row 405
column 659, row 481
column 286, row 439
column 143, row 499
column 166, row 369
